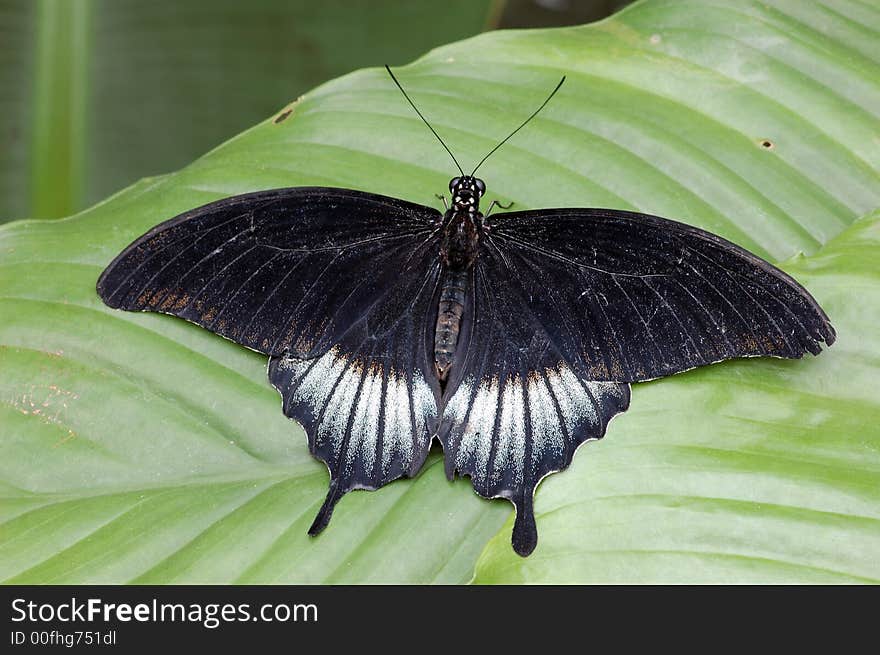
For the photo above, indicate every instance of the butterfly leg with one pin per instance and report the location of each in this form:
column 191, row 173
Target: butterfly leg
column 443, row 198
column 494, row 203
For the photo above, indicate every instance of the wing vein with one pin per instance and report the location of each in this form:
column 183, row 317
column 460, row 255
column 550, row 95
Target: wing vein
column 165, row 247
column 198, row 294
column 560, row 257
column 723, row 296
column 293, row 311
column 674, row 315
column 723, row 333
column 642, row 319
column 269, row 296
column 188, row 248
column 344, row 246
column 734, row 275
column 241, row 286
column 558, row 410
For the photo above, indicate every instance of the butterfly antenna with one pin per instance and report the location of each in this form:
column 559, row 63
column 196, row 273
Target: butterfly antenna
column 424, row 119
column 543, row 104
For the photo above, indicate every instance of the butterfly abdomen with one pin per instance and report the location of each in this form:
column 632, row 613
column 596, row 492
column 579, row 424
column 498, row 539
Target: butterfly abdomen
column 459, row 242
column 449, row 313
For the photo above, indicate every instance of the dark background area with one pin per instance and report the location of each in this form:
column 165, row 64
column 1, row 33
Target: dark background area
column 95, row 94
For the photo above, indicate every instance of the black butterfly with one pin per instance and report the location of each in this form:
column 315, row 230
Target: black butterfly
column 512, row 339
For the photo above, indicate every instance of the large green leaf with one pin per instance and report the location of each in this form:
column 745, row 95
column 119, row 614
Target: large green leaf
column 136, row 447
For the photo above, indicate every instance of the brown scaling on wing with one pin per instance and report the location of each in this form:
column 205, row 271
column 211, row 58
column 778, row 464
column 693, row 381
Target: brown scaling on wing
column 174, row 301
column 597, row 370
column 209, row 315
column 181, row 302
column 158, row 295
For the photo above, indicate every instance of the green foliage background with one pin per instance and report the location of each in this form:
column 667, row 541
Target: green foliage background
column 138, row 448
column 95, row 94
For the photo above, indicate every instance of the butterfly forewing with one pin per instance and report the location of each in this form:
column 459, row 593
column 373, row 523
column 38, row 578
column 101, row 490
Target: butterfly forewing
column 277, row 271
column 628, row 297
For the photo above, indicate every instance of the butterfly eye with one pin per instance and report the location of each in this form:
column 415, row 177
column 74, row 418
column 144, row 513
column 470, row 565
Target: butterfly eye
column 453, row 183
column 481, row 186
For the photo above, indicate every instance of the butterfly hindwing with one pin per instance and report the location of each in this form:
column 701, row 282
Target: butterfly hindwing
column 279, row 271
column 369, row 403
column 628, row 297
column 517, row 411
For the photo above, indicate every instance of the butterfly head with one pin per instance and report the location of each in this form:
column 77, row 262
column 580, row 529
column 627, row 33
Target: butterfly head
column 466, row 192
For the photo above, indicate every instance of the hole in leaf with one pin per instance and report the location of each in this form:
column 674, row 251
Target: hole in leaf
column 283, row 115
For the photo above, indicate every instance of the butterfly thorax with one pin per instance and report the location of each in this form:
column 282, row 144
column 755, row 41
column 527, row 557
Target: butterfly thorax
column 460, row 238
